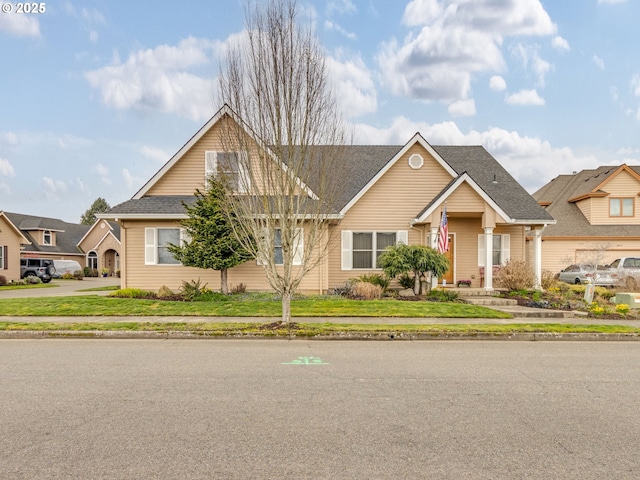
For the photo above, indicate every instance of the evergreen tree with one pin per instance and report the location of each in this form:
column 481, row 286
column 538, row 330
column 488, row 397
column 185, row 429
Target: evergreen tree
column 211, row 241
column 100, row 205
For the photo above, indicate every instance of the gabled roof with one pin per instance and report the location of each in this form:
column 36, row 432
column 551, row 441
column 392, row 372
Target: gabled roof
column 364, row 165
column 561, row 195
column 68, row 235
column 113, row 229
column 15, row 229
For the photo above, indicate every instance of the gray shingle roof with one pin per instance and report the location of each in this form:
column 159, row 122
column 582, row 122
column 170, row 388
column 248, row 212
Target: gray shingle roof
column 570, row 220
column 362, row 164
column 67, row 234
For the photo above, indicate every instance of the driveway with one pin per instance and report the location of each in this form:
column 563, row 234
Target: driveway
column 62, row 288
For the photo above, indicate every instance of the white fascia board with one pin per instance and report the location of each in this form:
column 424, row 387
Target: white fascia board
column 146, row 216
column 16, row 229
column 103, row 239
column 95, row 224
column 417, row 138
column 225, row 110
column 452, row 188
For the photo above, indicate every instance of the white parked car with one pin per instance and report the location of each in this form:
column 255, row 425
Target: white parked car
column 65, row 266
column 581, row 274
column 625, row 272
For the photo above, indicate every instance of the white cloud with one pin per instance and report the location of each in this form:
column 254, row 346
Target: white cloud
column 525, row 97
column 329, row 25
column 155, row 154
column 456, row 39
column 6, row 169
column 610, row 2
column 635, row 85
column 532, row 161
column 103, row 173
column 560, row 43
column 341, row 7
column 497, row 83
column 53, row 188
column 463, row 108
column 530, row 58
column 132, row 183
column 9, row 138
column 93, row 36
column 353, row 84
column 19, row 25
column 159, row 80
column 598, row 62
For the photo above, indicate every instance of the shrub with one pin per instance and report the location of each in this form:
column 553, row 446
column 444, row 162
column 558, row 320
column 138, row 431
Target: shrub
column 3, row 280
column 622, row 308
column 67, row 276
column 133, row 293
column 438, row 295
column 193, row 290
column 375, row 279
column 33, row 280
column 548, row 280
column 515, row 275
column 239, row 289
column 406, row 281
column 366, row 291
column 345, row 290
column 78, row 274
column 165, row 292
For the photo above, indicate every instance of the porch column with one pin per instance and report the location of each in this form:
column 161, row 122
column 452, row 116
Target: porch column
column 488, row 258
column 537, row 258
column 433, row 240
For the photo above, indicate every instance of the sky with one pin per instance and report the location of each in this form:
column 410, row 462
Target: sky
column 96, row 95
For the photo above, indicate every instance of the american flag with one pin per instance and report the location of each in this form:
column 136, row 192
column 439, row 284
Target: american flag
column 443, row 233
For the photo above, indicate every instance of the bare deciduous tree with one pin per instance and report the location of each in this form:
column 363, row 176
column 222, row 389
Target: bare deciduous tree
column 284, row 176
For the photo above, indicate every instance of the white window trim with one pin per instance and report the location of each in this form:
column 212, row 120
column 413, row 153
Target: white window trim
column 3, row 257
column 505, row 248
column 44, row 237
column 402, row 236
column 211, row 169
column 269, row 245
column 151, row 245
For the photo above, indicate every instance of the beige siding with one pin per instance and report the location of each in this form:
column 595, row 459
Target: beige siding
column 559, row 253
column 622, row 185
column 151, row 277
column 399, row 196
column 10, row 238
column 95, row 236
column 585, row 208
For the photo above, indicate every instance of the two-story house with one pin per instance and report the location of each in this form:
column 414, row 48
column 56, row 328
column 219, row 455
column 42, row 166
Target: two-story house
column 396, row 193
column 597, row 215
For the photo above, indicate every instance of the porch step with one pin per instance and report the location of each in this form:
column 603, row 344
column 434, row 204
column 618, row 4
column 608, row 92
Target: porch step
column 489, row 301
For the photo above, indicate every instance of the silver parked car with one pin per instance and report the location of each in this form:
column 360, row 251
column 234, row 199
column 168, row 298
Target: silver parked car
column 579, row 274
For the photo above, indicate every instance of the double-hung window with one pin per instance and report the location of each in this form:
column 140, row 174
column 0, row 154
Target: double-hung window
column 360, row 250
column 228, row 167
column 621, row 207
column 275, row 243
column 47, row 237
column 500, row 250
column 157, row 242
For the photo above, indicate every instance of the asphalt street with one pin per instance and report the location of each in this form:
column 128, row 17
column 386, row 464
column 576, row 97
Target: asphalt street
column 261, row 409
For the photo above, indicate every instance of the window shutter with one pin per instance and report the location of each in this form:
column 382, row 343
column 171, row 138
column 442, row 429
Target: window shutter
column 185, row 238
column 298, row 256
column 481, row 250
column 5, row 257
column 263, row 244
column 210, row 165
column 150, row 250
column 402, row 236
column 506, row 248
column 347, row 256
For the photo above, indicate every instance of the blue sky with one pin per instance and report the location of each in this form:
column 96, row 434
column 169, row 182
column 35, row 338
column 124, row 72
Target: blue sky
column 95, row 96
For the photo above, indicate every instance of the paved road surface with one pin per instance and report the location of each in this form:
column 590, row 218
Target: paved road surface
column 61, row 288
column 261, row 409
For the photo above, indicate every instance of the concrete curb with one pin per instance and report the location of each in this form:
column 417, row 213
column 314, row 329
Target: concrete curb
column 378, row 336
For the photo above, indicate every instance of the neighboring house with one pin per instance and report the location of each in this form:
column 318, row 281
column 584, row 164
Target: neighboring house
column 28, row 236
column 395, row 194
column 597, row 216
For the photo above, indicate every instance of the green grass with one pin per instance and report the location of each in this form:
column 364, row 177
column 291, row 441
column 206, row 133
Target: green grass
column 233, row 306
column 107, row 288
column 22, row 287
column 317, row 329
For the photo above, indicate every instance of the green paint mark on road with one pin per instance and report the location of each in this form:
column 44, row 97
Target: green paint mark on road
column 306, row 361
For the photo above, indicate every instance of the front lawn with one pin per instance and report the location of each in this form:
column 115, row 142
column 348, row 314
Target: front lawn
column 240, row 306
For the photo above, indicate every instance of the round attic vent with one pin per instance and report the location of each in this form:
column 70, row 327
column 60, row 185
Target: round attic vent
column 416, row 161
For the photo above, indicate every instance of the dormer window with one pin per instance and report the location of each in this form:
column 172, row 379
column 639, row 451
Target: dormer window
column 621, row 207
column 47, row 237
column 227, row 166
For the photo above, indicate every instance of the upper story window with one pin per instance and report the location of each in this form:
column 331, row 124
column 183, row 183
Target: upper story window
column 621, row 207
column 47, row 237
column 229, row 167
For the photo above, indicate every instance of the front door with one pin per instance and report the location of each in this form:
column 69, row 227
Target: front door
column 448, row 275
